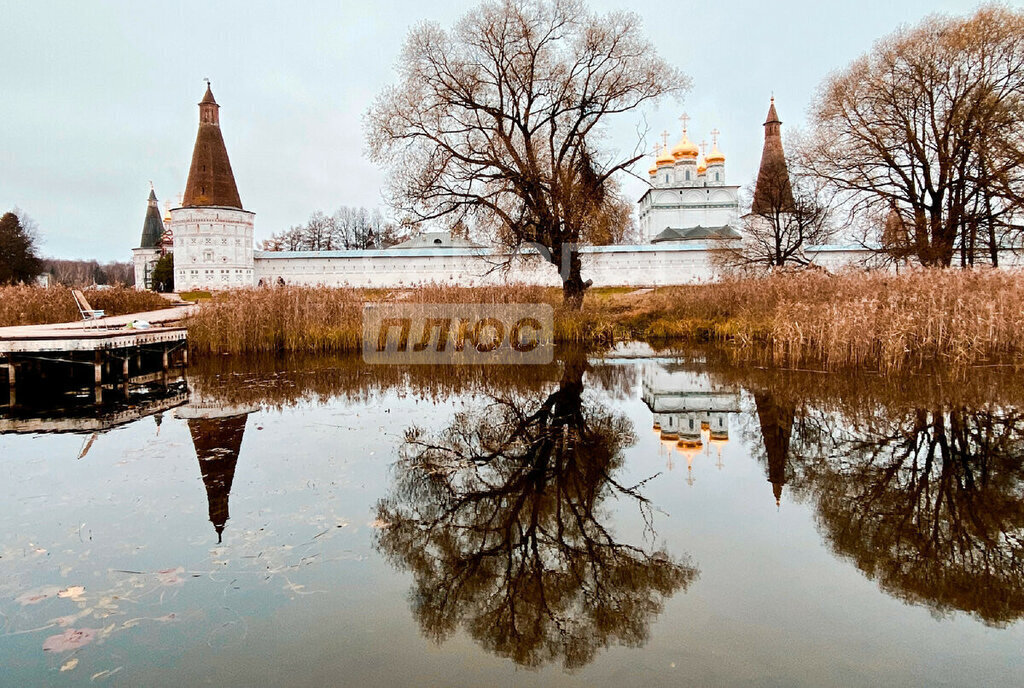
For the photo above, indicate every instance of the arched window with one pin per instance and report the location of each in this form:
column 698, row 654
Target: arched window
column 687, row 175
column 716, row 176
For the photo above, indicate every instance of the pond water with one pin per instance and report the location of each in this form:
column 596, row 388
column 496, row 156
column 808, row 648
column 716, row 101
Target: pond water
column 601, row 521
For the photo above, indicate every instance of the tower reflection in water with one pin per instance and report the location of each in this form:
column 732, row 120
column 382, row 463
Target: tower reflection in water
column 217, row 431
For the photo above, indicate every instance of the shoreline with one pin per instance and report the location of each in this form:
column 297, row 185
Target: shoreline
column 856, row 319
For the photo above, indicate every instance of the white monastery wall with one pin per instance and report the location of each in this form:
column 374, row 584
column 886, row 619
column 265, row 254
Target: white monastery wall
column 637, row 266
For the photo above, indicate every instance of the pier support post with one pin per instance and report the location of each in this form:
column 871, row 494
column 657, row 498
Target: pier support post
column 124, row 373
column 98, row 377
column 12, row 380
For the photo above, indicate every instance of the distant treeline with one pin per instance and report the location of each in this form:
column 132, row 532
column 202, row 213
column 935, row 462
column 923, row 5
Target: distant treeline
column 82, row 273
column 346, row 228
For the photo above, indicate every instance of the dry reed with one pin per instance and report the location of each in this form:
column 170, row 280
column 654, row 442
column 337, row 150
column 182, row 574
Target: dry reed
column 874, row 320
column 23, row 305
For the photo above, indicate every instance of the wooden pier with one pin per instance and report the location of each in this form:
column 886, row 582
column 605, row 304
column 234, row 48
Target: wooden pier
column 102, row 355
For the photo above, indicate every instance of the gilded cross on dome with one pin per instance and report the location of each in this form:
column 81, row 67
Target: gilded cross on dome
column 714, row 137
column 684, row 118
column 703, row 146
column 664, row 138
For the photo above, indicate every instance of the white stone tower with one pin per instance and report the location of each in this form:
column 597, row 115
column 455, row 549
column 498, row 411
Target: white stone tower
column 213, row 234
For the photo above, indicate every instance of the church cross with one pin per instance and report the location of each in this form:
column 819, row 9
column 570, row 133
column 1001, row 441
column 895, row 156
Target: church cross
column 664, row 139
column 703, row 147
column 714, row 137
column 684, row 118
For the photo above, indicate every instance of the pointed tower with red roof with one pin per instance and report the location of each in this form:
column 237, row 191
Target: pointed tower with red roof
column 213, row 233
column 772, row 191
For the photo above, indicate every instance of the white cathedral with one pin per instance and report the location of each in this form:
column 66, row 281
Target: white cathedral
column 688, row 213
column 689, row 199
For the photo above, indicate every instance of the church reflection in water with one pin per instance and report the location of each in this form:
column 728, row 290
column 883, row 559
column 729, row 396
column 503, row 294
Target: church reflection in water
column 691, row 415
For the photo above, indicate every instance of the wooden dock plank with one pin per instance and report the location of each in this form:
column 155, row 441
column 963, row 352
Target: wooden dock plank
column 104, row 334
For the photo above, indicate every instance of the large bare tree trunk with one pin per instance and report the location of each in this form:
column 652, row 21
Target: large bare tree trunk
column 573, row 286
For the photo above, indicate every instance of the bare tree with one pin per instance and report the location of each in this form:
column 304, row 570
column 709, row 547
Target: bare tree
column 932, row 121
column 499, row 121
column 788, row 214
column 83, row 273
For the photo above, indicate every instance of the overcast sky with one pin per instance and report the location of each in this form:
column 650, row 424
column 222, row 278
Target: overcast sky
column 97, row 99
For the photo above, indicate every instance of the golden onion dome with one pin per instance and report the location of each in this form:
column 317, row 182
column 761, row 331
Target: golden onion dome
column 715, row 157
column 664, row 157
column 685, row 149
column 701, row 166
column 689, row 450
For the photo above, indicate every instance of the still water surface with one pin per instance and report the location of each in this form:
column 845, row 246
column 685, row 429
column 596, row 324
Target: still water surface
column 596, row 522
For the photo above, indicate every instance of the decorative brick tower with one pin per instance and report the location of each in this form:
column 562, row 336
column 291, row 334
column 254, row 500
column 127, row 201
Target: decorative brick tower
column 213, row 234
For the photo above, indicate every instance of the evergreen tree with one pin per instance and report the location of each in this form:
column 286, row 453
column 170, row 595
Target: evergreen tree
column 18, row 259
column 163, row 273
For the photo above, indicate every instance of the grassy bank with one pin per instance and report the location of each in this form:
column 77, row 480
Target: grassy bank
column 36, row 305
column 856, row 319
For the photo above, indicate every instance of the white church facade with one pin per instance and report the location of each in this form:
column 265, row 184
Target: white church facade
column 685, row 216
column 689, row 198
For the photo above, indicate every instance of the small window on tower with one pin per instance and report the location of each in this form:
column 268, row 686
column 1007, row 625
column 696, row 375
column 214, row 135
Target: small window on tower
column 716, row 176
column 687, row 175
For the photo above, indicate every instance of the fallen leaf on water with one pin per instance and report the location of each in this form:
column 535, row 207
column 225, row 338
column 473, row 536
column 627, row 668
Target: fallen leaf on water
column 73, row 592
column 131, row 623
column 65, row 621
column 69, row 665
column 71, row 639
column 171, row 576
column 38, row 595
column 105, row 674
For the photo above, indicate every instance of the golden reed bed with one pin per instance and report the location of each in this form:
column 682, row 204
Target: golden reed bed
column 856, row 319
column 37, row 306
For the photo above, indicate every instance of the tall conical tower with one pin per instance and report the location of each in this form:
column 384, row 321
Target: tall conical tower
column 210, row 179
column 772, row 192
column 149, row 250
column 213, row 234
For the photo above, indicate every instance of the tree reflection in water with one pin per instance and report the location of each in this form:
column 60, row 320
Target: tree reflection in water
column 930, row 503
column 918, row 480
column 499, row 518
